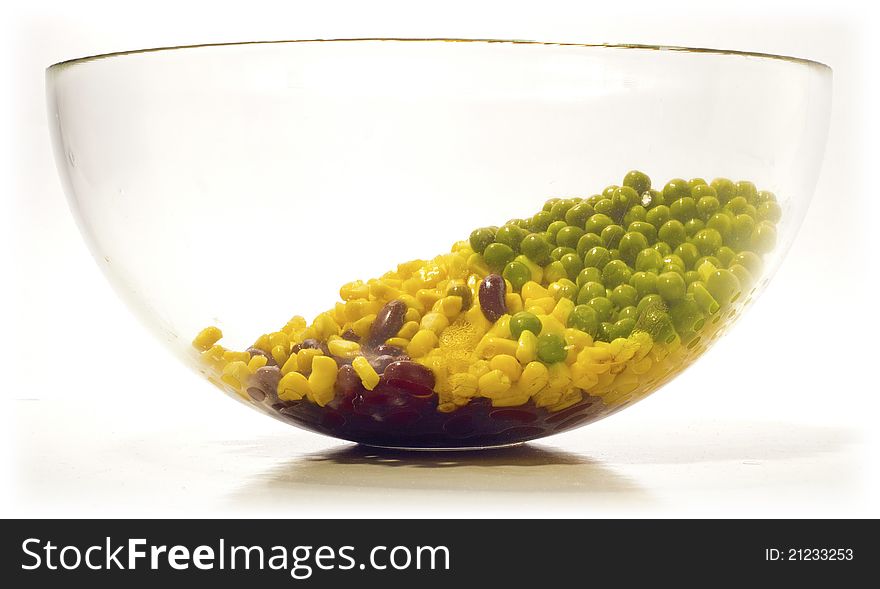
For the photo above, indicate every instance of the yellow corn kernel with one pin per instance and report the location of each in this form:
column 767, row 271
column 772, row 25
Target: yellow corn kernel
column 207, row 338
column 534, row 377
column 460, row 246
column 354, row 290
column 514, row 302
column 533, row 290
column 546, row 304
column 501, row 327
column 512, row 398
column 491, row 346
column 475, row 317
column 293, row 386
column 357, row 308
column 399, row 342
column 296, row 323
column 536, row 271
column 583, row 377
column 412, row 303
column 344, row 348
column 291, row 365
column 322, row 379
column 257, row 361
column 463, row 384
column 451, row 306
column 478, row 368
column 506, row 364
column 362, row 326
column 422, row 342
column 560, row 377
column 641, row 366
column 235, row 374
column 367, row 374
column 325, row 326
column 381, row 290
column 213, row 357
column 428, row 296
column 563, row 309
column 526, row 347
column 578, row 338
column 547, row 397
column 476, row 265
column 338, row 313
column 263, row 343
column 408, row 330
column 494, row 383
column 300, row 336
column 412, row 315
column 550, row 324
column 447, row 407
column 567, row 400
column 412, row 285
column 279, row 338
column 233, row 356
column 435, row 322
column 280, row 355
column 305, row 357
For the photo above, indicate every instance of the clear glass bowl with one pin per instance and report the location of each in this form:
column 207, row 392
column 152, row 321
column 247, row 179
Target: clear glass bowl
column 238, row 185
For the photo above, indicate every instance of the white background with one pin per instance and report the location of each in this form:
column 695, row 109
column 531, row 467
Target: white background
column 776, row 420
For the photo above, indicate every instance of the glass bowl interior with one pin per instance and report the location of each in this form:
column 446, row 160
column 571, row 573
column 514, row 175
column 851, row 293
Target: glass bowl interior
column 238, row 185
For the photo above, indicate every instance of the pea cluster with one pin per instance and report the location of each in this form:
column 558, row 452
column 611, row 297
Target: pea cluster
column 631, row 254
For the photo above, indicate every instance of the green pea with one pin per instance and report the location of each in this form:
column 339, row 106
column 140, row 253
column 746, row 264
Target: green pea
column 648, row 260
column 551, row 348
column 746, row 280
column 675, row 260
column 645, row 283
column 671, row 267
column 616, row 272
column 517, row 273
column 497, row 255
column 683, row 209
column 524, row 321
column 604, row 207
column 597, row 257
column 742, row 228
column 540, row 222
column 536, row 270
column 638, row 181
column 769, row 211
column 693, row 227
column 611, row 235
column 671, row 286
column 591, row 274
column 569, row 236
column 655, row 198
column 631, row 312
column 548, row 204
column 594, row 199
column 722, row 223
column 664, row 248
column 694, row 182
column 623, row 199
column 567, row 289
column 589, row 291
column 558, row 252
column 723, row 285
column 751, row 211
column 511, row 236
column 763, row 237
column 725, row 189
column 558, row 210
column 725, row 255
column 651, row 302
column 554, row 271
column 707, row 241
column 746, row 190
column 657, row 324
column 585, row 318
column 554, row 228
column 536, row 247
column 622, row 328
column 523, row 224
column 701, row 295
column 737, row 205
column 764, row 196
column 631, row 244
column 675, row 189
column 691, row 276
column 572, row 264
column 624, row 295
column 708, row 206
column 603, row 307
column 688, row 253
column 609, row 190
column 646, row 229
column 686, row 315
column 711, row 259
column 606, row 332
column 636, row 214
column 673, row 233
column 579, row 213
column 751, row 261
column 588, row 242
column 658, row 215
column 597, row 223
column 481, row 238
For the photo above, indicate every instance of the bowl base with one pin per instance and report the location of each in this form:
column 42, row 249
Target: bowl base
column 449, row 449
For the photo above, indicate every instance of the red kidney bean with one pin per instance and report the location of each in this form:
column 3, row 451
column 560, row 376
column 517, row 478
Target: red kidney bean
column 492, row 291
column 314, row 344
column 351, row 336
column 348, row 383
column 380, row 363
column 264, row 383
column 388, row 322
column 410, row 376
column 385, row 349
column 270, row 361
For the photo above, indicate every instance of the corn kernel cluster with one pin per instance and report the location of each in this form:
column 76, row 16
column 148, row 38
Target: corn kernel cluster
column 608, row 296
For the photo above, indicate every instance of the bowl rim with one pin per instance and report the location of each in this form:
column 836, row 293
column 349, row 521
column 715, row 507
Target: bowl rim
column 630, row 46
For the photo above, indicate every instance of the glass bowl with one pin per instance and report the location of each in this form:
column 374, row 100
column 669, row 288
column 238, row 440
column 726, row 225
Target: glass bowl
column 389, row 196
